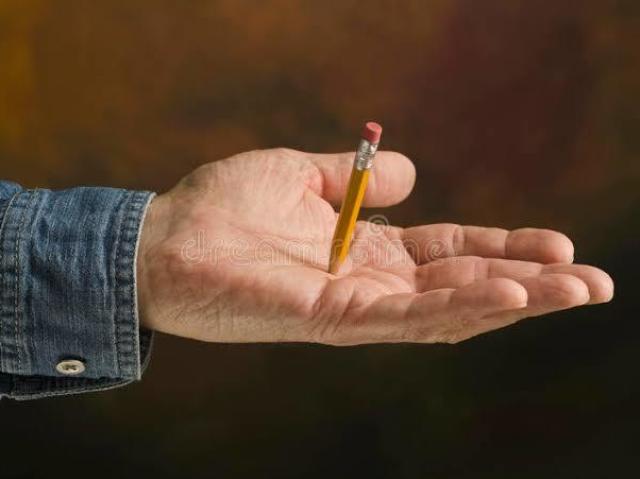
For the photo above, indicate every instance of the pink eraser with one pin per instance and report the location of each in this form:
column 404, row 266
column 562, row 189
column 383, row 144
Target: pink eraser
column 372, row 132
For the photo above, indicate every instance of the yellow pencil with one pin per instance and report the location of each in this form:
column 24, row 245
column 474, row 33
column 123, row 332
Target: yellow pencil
column 355, row 193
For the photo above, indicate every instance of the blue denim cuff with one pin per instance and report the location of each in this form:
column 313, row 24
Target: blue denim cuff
column 68, row 291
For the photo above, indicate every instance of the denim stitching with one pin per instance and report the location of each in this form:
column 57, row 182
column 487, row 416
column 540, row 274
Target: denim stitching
column 32, row 195
column 126, row 226
column 61, row 389
column 129, row 229
column 115, row 285
column 3, row 281
column 40, row 198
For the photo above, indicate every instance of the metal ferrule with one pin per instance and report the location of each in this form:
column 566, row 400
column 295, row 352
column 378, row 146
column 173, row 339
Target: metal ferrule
column 364, row 155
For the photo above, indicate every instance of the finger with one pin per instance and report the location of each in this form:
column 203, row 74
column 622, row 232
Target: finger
column 463, row 270
column 482, row 297
column 391, row 179
column 436, row 316
column 546, row 293
column 429, row 242
column 599, row 283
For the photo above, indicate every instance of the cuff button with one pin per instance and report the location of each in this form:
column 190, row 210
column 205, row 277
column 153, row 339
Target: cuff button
column 70, row 367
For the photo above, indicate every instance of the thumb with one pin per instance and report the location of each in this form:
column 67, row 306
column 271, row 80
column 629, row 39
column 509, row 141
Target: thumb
column 390, row 181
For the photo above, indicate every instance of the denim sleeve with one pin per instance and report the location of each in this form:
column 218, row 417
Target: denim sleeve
column 68, row 310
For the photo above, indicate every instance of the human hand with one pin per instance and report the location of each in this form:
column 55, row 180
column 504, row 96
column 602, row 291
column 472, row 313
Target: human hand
column 238, row 252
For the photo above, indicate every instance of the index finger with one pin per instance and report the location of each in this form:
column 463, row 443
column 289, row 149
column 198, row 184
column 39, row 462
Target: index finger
column 430, row 242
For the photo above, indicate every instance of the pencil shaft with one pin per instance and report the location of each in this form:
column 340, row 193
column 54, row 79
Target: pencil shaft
column 348, row 217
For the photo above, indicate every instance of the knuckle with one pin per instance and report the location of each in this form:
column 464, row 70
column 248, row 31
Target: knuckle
column 458, row 240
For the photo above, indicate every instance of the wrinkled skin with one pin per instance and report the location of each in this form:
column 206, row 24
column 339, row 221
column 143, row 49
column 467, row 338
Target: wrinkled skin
column 238, row 252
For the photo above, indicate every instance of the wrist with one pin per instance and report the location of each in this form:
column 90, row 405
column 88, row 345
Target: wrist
column 143, row 295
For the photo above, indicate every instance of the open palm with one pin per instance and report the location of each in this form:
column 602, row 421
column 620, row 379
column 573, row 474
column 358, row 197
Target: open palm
column 238, row 252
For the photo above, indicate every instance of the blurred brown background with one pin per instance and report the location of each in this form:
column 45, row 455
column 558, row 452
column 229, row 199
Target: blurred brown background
column 515, row 112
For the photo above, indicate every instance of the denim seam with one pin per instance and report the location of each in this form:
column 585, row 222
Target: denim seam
column 40, row 200
column 32, row 195
column 116, row 339
column 61, row 389
column 131, row 287
column 117, row 285
column 3, row 279
column 127, row 336
column 127, row 268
